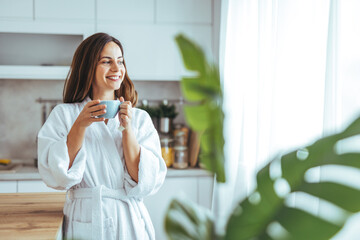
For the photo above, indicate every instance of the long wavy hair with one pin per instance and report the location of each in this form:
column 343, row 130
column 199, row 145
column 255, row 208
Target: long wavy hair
column 78, row 83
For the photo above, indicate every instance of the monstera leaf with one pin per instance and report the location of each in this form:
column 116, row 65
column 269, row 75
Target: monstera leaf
column 205, row 114
column 187, row 221
column 267, row 206
column 265, row 214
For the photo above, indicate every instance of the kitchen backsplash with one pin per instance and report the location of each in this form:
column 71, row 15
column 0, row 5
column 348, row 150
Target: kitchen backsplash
column 21, row 116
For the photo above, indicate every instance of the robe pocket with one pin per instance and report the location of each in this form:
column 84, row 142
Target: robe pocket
column 81, row 230
column 109, row 229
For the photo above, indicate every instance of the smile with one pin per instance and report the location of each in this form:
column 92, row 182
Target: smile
column 114, row 78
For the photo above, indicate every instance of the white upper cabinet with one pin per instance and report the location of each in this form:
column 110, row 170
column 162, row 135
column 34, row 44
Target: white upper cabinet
column 150, row 51
column 184, row 11
column 125, row 11
column 65, row 10
column 19, row 9
column 147, row 29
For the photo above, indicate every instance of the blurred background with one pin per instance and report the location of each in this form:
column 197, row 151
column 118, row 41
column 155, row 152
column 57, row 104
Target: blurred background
column 289, row 71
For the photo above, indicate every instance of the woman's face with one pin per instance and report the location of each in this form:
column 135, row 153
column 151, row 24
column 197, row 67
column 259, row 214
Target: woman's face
column 110, row 70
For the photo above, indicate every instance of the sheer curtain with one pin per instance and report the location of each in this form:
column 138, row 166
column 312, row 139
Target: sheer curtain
column 273, row 56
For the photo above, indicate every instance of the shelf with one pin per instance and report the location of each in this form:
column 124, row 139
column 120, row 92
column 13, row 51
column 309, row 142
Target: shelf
column 187, row 172
column 34, row 72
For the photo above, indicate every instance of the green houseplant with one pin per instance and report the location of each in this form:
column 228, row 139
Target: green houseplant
column 167, row 110
column 254, row 216
column 152, row 111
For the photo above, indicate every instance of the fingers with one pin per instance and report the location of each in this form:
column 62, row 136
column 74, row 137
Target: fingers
column 92, row 103
column 97, row 113
column 94, row 109
column 124, row 117
column 97, row 107
column 93, row 119
column 126, row 109
column 122, row 99
column 125, row 106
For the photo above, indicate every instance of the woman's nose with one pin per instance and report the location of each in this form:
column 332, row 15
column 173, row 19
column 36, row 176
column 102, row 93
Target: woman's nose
column 115, row 67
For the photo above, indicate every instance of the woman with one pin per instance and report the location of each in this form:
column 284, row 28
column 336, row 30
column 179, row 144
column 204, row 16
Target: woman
column 107, row 166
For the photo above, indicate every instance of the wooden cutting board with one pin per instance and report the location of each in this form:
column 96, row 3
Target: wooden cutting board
column 31, row 215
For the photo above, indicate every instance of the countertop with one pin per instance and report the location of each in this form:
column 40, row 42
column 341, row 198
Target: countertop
column 28, row 172
column 31, row 216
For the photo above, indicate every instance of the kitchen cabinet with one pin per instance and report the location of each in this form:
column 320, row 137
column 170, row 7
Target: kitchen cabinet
column 184, row 11
column 36, row 56
column 8, row 186
column 145, row 27
column 19, row 9
column 25, row 186
column 193, row 184
column 79, row 10
column 150, row 50
column 124, row 11
column 196, row 188
column 28, row 186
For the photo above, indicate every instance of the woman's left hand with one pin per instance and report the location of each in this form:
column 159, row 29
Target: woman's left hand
column 125, row 114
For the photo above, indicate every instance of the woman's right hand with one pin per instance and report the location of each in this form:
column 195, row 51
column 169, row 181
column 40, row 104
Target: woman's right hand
column 89, row 114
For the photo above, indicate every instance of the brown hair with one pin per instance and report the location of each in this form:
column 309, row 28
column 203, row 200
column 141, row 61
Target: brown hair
column 78, row 83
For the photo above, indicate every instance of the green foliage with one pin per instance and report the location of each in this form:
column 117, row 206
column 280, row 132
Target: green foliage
column 152, row 111
column 252, row 220
column 266, row 207
column 167, row 111
column 205, row 113
column 188, row 221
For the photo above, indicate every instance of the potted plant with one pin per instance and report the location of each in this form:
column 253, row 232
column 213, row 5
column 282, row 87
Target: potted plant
column 264, row 214
column 166, row 112
column 152, row 111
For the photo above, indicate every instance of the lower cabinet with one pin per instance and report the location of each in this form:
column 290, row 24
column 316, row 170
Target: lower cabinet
column 24, row 186
column 8, row 186
column 196, row 189
column 34, row 186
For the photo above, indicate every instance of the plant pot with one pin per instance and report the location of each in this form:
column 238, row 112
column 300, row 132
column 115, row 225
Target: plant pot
column 165, row 125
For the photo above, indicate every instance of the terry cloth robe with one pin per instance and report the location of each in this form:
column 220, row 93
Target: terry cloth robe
column 103, row 202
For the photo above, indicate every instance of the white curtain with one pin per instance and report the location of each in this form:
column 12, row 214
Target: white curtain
column 290, row 74
column 273, row 56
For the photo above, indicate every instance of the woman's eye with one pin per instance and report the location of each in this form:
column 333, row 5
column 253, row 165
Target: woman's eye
column 121, row 62
column 107, row 62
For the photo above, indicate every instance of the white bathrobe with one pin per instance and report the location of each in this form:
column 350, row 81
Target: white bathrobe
column 103, row 202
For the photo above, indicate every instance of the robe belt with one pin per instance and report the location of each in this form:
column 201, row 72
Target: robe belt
column 96, row 194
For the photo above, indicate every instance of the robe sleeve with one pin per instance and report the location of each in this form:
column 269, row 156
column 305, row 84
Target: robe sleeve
column 152, row 168
column 53, row 157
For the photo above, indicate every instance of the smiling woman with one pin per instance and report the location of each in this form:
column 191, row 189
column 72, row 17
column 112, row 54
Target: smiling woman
column 107, row 172
column 98, row 53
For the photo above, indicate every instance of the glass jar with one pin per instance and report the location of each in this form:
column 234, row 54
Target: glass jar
column 167, row 150
column 181, row 157
column 181, row 134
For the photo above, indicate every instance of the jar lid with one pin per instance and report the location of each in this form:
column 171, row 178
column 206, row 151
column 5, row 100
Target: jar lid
column 166, row 140
column 180, row 148
column 179, row 134
column 178, row 125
